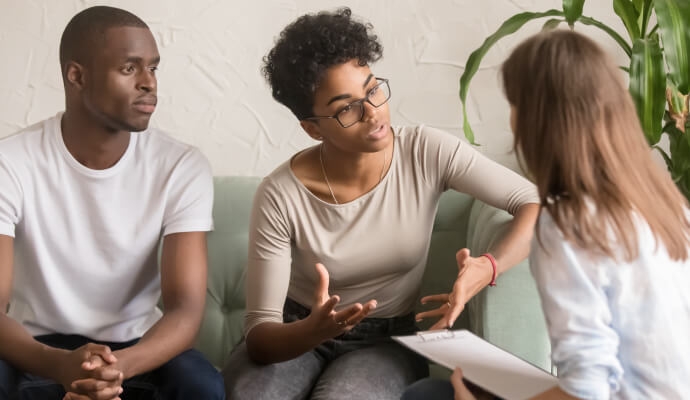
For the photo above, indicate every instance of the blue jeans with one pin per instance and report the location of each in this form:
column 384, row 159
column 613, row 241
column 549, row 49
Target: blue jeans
column 187, row 376
column 439, row 389
column 429, row 388
column 364, row 363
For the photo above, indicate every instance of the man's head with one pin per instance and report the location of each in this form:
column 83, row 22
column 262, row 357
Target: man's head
column 108, row 58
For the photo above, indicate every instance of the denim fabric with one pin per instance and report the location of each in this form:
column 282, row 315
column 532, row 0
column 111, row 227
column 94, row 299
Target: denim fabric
column 439, row 389
column 429, row 388
column 186, row 376
column 363, row 363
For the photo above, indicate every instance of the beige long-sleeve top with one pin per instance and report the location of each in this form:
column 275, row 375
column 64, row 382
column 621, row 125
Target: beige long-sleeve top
column 374, row 247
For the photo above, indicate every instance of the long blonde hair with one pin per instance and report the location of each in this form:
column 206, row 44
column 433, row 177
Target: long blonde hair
column 578, row 135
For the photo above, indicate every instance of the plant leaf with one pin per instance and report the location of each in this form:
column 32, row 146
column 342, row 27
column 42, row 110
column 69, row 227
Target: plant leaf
column 508, row 27
column 674, row 23
column 552, row 24
column 645, row 14
column 626, row 11
column 648, row 86
column 679, row 148
column 639, row 4
column 618, row 38
column 572, row 10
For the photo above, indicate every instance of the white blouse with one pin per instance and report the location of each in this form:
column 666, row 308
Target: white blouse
column 618, row 330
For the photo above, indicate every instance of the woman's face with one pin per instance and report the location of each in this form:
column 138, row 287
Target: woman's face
column 342, row 85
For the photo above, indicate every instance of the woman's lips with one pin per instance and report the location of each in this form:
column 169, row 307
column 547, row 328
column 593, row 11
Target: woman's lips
column 380, row 133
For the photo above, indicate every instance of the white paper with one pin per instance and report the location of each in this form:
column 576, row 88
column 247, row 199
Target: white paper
column 482, row 363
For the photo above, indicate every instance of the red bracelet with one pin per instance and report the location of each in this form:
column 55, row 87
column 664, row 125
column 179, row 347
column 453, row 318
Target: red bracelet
column 493, row 265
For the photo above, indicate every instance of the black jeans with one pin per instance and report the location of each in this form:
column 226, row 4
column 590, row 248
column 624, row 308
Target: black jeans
column 187, row 376
column 363, row 363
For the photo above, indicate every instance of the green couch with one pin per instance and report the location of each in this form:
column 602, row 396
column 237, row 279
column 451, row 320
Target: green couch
column 508, row 315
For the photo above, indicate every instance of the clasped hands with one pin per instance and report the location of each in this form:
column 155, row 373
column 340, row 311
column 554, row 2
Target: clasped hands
column 324, row 321
column 90, row 372
column 474, row 273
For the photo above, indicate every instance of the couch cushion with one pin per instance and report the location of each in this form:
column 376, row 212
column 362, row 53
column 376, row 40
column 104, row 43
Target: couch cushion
column 223, row 322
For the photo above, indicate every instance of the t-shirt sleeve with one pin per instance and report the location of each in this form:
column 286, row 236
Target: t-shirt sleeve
column 189, row 205
column 454, row 164
column 572, row 287
column 269, row 259
column 10, row 199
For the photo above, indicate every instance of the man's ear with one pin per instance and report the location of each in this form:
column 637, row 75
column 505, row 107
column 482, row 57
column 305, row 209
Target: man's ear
column 312, row 128
column 74, row 75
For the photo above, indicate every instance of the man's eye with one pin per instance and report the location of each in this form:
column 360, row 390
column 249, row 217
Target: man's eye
column 128, row 69
column 153, row 69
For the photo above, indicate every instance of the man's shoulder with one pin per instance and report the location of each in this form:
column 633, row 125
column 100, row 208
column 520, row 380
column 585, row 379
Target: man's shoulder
column 24, row 139
column 157, row 139
column 160, row 145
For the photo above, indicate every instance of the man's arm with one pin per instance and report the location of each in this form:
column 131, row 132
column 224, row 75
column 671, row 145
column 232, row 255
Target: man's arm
column 23, row 352
column 183, row 286
column 17, row 346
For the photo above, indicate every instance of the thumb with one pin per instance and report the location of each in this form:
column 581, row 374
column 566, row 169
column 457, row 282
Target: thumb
column 322, row 285
column 461, row 256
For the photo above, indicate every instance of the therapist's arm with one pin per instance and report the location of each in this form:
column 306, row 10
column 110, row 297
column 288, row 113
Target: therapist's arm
column 463, row 393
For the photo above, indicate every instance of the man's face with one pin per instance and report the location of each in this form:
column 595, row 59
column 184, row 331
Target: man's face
column 120, row 86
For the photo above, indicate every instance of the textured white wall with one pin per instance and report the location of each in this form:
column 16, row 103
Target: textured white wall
column 212, row 93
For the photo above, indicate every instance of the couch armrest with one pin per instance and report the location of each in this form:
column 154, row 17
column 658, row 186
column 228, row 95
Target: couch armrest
column 509, row 314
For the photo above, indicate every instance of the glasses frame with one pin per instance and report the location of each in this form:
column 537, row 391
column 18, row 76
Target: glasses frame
column 361, row 101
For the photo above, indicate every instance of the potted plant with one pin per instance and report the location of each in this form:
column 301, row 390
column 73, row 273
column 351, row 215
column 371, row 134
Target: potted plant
column 659, row 68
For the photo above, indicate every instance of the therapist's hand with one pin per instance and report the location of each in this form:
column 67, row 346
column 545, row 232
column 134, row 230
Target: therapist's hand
column 461, row 391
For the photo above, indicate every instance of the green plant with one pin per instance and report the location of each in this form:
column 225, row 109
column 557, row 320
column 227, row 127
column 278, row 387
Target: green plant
column 659, row 68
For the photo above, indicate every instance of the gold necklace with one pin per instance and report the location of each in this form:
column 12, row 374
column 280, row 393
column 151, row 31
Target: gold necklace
column 325, row 177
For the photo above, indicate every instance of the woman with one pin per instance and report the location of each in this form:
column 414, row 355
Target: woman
column 611, row 252
column 339, row 234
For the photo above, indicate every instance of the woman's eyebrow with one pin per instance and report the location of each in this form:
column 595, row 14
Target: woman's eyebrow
column 346, row 95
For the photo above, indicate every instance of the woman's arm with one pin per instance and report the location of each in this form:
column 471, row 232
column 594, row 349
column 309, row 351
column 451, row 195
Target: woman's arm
column 268, row 338
column 447, row 163
column 271, row 342
column 475, row 273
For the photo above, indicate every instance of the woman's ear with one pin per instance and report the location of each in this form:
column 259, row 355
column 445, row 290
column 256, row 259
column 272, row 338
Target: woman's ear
column 312, row 128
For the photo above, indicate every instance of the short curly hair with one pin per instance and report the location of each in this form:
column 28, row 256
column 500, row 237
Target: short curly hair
column 308, row 47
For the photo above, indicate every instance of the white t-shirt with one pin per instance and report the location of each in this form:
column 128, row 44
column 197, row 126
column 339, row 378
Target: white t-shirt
column 86, row 241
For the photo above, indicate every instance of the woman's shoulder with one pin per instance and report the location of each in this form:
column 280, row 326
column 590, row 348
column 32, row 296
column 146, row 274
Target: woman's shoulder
column 424, row 134
column 278, row 181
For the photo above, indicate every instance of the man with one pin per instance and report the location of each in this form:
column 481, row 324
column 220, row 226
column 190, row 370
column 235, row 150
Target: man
column 84, row 201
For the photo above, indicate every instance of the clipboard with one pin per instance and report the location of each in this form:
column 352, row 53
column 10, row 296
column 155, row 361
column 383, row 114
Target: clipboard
column 487, row 366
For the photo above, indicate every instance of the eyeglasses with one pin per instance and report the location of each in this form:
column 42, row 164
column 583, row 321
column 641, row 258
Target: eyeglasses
column 354, row 112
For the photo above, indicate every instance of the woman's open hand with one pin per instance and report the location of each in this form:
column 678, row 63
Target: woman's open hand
column 474, row 273
column 324, row 320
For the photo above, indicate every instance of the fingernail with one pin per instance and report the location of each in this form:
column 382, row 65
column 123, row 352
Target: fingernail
column 120, row 390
